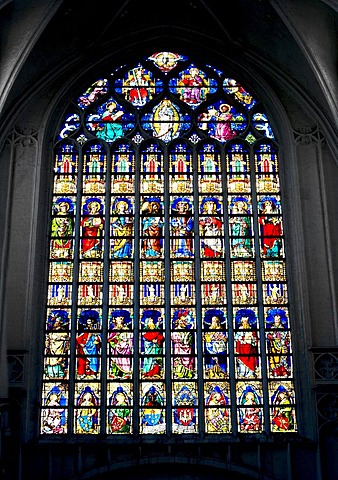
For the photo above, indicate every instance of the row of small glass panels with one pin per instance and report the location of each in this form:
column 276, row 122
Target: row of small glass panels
column 183, row 332
column 181, row 294
column 216, row 199
column 236, row 183
column 180, row 159
column 211, row 225
column 180, row 271
column 184, row 416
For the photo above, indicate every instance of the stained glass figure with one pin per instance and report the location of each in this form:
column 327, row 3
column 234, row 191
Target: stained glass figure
column 90, row 294
column 93, row 167
column 250, row 413
column 96, row 90
column 209, row 167
column 211, row 227
column 110, row 121
column 87, row 418
column 215, row 341
column 185, row 412
column 120, row 411
column 238, row 165
column 57, row 345
column 246, row 344
column 221, row 121
column 152, row 294
column 152, row 179
column 240, row 225
column 232, row 87
column 138, row 86
column 152, row 227
column 92, row 228
column 121, row 294
column 123, row 165
column 182, row 224
column 152, row 345
column 183, row 345
column 122, row 228
column 60, row 294
column 213, row 294
column 266, row 160
column 120, row 345
column 193, row 86
column 278, row 338
column 275, row 293
column 88, row 345
column 166, row 121
column 217, row 411
column 152, row 412
column 62, row 227
column 271, row 228
column 54, row 413
column 166, row 61
column 238, row 159
column 209, row 159
column 283, row 411
column 183, row 294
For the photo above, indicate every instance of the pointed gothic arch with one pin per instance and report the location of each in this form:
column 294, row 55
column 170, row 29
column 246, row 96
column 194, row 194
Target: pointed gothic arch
column 167, row 308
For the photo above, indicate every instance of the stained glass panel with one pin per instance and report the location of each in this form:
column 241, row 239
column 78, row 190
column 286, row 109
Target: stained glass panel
column 167, row 299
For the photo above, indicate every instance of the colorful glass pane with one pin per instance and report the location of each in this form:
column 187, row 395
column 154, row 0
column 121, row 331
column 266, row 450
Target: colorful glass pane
column 167, row 305
column 138, row 86
column 193, row 86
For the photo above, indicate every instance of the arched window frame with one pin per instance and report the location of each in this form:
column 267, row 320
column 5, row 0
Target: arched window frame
column 167, row 270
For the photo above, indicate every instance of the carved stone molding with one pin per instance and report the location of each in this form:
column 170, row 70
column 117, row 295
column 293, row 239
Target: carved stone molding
column 325, row 362
column 308, row 135
column 25, row 137
column 15, row 363
column 327, row 409
column 326, row 366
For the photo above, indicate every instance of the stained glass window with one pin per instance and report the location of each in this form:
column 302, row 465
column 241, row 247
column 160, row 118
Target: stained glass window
column 167, row 303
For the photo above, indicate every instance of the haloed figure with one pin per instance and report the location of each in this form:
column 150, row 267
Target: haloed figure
column 92, row 227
